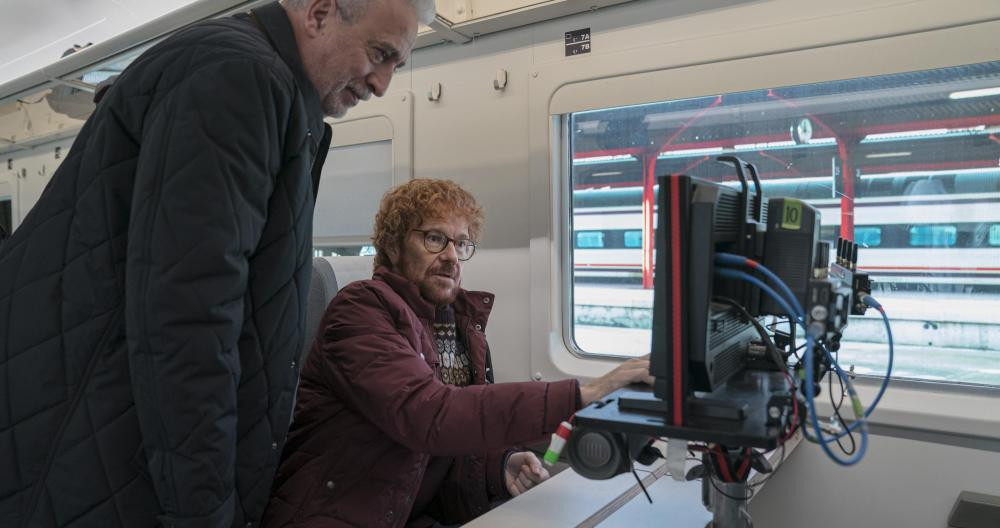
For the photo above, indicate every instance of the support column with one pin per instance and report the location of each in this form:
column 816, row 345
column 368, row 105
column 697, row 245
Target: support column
column 845, row 147
column 648, row 209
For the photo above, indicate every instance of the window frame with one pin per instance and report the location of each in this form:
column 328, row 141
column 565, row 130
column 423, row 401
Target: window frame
column 682, row 69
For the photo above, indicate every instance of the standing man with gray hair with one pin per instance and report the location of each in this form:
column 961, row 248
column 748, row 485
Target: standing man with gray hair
column 152, row 303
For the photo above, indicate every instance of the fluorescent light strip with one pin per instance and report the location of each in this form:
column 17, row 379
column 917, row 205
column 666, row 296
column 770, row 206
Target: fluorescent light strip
column 906, row 134
column 888, row 155
column 611, row 173
column 759, row 146
column 982, row 92
column 939, row 132
column 690, row 152
column 806, row 179
column 984, row 170
column 604, row 159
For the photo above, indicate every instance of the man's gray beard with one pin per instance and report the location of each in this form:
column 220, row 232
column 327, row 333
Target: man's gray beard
column 328, row 108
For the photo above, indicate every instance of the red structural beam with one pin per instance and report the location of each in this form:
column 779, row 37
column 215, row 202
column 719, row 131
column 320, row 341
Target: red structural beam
column 689, row 122
column 847, row 188
column 648, row 208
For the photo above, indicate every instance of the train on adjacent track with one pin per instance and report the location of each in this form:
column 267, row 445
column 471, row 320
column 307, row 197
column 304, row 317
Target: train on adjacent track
column 921, row 231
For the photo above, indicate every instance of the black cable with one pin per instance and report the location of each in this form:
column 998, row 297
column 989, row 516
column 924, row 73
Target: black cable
column 40, row 99
column 637, row 479
column 791, row 335
column 836, row 410
column 768, row 343
column 795, row 350
column 636, row 475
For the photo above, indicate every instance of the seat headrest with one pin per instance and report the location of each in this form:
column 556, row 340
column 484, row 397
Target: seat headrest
column 350, row 269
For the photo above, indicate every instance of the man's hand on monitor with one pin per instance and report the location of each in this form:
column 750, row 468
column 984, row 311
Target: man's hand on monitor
column 523, row 472
column 635, row 370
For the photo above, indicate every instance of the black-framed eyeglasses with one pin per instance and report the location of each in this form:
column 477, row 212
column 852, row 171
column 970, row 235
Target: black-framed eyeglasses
column 435, row 242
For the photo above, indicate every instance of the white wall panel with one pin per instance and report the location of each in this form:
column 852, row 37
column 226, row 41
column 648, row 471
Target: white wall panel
column 499, row 271
column 900, row 483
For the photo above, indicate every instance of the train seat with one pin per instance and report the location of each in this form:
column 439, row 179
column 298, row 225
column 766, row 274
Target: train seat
column 329, row 275
column 321, row 290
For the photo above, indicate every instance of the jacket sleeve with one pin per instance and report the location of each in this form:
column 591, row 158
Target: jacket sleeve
column 203, row 181
column 474, row 484
column 368, row 362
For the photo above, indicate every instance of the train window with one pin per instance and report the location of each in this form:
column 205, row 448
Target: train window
column 905, row 164
column 633, row 239
column 353, row 181
column 589, row 239
column 355, row 250
column 933, row 235
column 868, row 237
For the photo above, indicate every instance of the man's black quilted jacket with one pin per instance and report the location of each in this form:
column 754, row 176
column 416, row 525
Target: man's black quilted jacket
column 152, row 302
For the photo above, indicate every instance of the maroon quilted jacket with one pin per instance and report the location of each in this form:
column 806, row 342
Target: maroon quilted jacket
column 372, row 411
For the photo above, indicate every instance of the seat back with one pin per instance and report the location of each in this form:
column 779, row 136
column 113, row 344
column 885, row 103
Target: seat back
column 329, row 275
column 321, row 291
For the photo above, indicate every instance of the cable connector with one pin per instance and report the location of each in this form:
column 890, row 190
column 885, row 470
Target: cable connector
column 870, row 301
column 559, row 439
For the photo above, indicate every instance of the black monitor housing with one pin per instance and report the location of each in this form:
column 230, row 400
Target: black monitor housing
column 714, row 379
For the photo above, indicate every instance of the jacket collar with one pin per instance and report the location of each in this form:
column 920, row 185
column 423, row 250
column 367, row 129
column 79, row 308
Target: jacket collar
column 273, row 20
column 475, row 305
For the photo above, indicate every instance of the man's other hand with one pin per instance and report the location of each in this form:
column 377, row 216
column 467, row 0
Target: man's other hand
column 635, row 370
column 523, row 472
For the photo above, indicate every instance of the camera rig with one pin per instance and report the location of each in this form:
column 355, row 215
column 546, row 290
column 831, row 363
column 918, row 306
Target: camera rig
column 726, row 259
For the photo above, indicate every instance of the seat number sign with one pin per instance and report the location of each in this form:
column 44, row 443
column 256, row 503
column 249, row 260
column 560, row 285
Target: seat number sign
column 577, row 42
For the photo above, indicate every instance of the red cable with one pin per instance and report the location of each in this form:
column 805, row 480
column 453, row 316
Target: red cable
column 723, row 466
column 744, row 467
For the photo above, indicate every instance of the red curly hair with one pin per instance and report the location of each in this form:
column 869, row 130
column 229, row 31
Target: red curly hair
column 407, row 206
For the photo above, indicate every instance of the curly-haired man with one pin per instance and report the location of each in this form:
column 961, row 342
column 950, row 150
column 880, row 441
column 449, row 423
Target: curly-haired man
column 398, row 421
